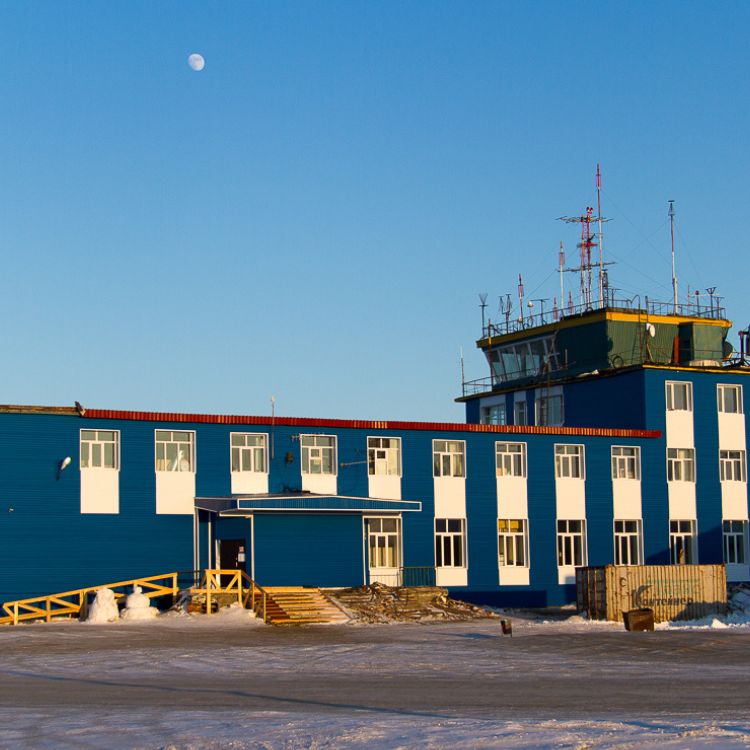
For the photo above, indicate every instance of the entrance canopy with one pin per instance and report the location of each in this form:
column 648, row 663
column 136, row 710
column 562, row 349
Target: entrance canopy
column 302, row 502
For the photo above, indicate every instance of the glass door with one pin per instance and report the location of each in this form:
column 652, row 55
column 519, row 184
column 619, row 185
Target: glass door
column 384, row 550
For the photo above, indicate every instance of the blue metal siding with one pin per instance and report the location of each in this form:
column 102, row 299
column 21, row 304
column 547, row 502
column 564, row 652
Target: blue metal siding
column 309, row 550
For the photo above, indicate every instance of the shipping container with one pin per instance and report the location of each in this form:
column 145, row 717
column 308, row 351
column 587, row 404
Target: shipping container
column 673, row 592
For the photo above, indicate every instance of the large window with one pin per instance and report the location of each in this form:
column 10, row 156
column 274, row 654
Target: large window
column 549, row 410
column 384, row 456
column 628, row 543
column 732, row 466
column 100, row 449
column 523, row 360
column 383, row 542
column 681, row 464
column 510, row 459
column 729, row 398
column 248, row 452
column 735, row 542
column 175, row 450
column 626, row 462
column 569, row 462
column 679, row 396
column 449, row 458
column 513, row 542
column 450, row 542
column 494, row 414
column 682, row 542
column 318, row 454
column 571, row 543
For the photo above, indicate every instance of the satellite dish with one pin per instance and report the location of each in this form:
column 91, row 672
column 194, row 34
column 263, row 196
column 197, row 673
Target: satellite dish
column 651, row 329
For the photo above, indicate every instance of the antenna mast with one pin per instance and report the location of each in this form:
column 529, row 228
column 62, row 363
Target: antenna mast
column 483, row 306
column 561, row 267
column 674, row 273
column 601, row 236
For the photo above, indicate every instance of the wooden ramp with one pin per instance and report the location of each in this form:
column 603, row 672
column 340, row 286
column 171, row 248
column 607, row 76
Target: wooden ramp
column 71, row 603
column 297, row 605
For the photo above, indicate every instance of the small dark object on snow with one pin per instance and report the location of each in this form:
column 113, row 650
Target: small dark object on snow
column 639, row 619
column 507, row 627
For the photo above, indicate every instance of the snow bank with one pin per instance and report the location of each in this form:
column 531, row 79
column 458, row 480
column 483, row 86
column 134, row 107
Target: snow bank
column 738, row 615
column 104, row 609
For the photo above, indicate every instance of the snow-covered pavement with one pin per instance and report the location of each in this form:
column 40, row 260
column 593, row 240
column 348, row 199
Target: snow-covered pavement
column 230, row 682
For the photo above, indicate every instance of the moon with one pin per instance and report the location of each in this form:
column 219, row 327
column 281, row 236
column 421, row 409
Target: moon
column 196, row 61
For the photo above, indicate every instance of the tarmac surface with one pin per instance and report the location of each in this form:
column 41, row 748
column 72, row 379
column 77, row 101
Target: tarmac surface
column 427, row 670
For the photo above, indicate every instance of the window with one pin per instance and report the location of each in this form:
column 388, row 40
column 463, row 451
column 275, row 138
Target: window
column 519, row 413
column 681, row 464
column 627, row 542
column 448, row 458
column 571, row 543
column 449, row 542
column 512, row 542
column 679, row 396
column 174, row 450
column 729, row 398
column 549, row 410
column 626, row 462
column 100, row 449
column 682, row 542
column 318, row 454
column 524, row 360
column 569, row 461
column 383, row 542
column 735, row 542
column 494, row 414
column 510, row 459
column 248, row 451
column 732, row 466
column 384, row 456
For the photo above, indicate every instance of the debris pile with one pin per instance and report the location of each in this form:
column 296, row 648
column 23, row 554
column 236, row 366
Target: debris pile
column 378, row 603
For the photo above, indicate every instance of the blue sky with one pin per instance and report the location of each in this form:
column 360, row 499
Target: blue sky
column 313, row 214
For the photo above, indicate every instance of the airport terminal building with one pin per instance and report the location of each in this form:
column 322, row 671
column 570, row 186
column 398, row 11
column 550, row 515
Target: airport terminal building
column 607, row 434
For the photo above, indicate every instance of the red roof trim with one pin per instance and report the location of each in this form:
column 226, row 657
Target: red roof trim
column 362, row 424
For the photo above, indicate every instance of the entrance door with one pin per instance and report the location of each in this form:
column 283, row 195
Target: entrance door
column 232, row 554
column 384, row 550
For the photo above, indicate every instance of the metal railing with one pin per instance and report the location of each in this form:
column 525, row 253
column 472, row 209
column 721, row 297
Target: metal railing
column 408, row 576
column 712, row 310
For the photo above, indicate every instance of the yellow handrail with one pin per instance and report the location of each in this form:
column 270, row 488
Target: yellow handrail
column 71, row 602
column 212, row 585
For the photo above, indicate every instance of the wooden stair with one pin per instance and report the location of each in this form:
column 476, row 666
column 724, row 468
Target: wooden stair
column 297, row 605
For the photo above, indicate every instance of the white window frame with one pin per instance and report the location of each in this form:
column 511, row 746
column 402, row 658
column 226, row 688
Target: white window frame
column 447, row 462
column 445, row 542
column 373, row 459
column 721, row 399
column 176, row 467
column 99, row 443
column 734, row 541
column 510, row 459
column 671, row 388
column 626, row 462
column 568, row 540
column 376, row 552
column 252, row 452
column 310, row 454
column 625, row 537
column 732, row 466
column 509, row 540
column 565, row 453
column 680, row 468
column 685, row 532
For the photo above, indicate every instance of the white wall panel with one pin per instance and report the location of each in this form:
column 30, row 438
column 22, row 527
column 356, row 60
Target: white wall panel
column 100, row 491
column 175, row 492
column 384, row 486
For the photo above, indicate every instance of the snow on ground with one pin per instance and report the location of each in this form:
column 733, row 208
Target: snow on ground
column 196, row 682
column 271, row 730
